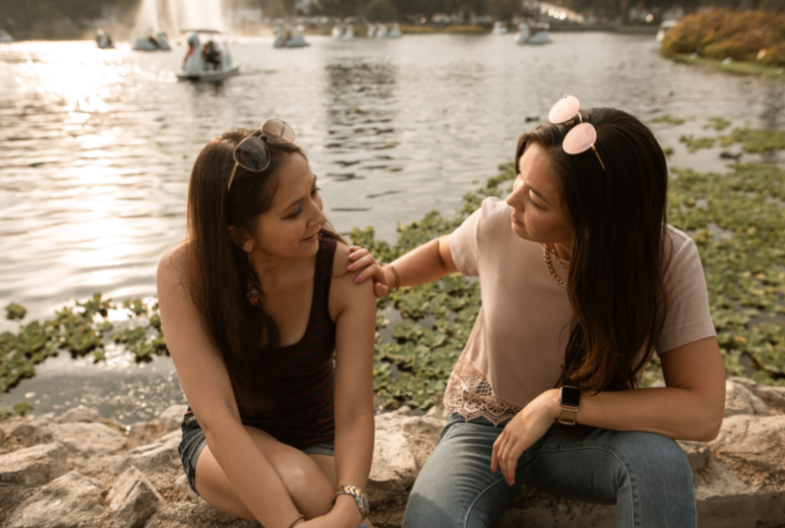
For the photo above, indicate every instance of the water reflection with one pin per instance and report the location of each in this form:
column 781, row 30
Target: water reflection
column 361, row 108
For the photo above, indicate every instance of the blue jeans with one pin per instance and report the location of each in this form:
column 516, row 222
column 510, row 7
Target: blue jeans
column 646, row 475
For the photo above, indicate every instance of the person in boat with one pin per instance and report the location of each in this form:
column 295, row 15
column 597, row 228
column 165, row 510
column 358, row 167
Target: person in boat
column 272, row 340
column 582, row 281
column 211, row 55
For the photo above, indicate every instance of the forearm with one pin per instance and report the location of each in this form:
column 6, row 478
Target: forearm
column 354, row 434
column 678, row 413
column 354, row 448
column 419, row 266
column 250, row 473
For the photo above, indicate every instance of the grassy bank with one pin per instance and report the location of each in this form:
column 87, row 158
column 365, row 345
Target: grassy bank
column 736, row 220
column 736, row 67
column 753, row 40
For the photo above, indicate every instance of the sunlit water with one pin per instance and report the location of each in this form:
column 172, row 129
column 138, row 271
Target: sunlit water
column 96, row 147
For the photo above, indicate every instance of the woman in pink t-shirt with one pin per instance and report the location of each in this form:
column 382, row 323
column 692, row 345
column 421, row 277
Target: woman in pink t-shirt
column 582, row 282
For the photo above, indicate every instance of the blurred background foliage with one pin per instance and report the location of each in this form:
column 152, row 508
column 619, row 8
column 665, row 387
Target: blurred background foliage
column 752, row 36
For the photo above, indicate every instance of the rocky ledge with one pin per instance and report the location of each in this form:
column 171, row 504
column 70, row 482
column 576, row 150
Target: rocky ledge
column 79, row 470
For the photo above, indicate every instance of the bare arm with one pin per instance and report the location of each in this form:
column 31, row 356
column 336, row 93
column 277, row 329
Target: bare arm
column 427, row 263
column 354, row 307
column 689, row 407
column 206, row 384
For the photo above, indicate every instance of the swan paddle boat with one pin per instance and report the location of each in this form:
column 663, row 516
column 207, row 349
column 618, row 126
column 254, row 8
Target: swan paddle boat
column 289, row 38
column 499, row 28
column 208, row 62
column 151, row 42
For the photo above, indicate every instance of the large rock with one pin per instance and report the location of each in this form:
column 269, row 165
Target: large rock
column 82, row 439
column 773, row 396
column 79, row 415
column 152, row 458
column 71, row 501
column 754, row 448
column 33, row 466
column 740, row 400
column 134, row 499
column 171, row 418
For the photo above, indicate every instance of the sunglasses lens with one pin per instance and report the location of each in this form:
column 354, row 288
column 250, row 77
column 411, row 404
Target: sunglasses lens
column 580, row 138
column 251, row 154
column 278, row 129
column 564, row 109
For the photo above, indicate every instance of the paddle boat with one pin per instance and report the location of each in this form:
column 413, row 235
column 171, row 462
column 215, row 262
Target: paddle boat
column 5, row 37
column 525, row 34
column 151, row 42
column 395, row 32
column 665, row 27
column 289, row 38
column 371, row 31
column 343, row 33
column 499, row 28
column 103, row 40
column 210, row 62
column 381, row 31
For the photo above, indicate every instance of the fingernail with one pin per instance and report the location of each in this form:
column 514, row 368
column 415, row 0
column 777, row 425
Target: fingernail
column 351, row 267
column 358, row 278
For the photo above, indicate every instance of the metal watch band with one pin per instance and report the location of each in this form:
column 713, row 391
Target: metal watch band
column 359, row 498
column 568, row 415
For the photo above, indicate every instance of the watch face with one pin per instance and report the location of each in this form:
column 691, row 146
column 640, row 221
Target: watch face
column 570, row 396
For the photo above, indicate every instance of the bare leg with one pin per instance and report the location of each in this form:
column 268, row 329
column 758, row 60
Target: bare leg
column 310, row 488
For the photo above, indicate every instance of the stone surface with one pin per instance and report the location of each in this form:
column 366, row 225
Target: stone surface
column 754, row 447
column 79, row 415
column 33, row 466
column 142, row 433
column 152, row 458
column 133, row 498
column 70, row 501
column 740, row 400
column 82, row 439
column 171, row 418
column 739, row 477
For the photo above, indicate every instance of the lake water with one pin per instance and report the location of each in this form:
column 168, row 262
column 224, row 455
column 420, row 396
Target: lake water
column 96, row 148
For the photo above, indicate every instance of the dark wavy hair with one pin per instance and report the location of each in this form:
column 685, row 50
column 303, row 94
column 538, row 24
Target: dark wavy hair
column 615, row 283
column 218, row 269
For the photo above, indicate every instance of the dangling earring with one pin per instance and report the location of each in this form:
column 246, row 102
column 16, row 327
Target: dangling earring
column 252, row 292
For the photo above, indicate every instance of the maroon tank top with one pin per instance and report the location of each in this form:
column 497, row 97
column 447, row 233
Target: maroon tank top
column 303, row 411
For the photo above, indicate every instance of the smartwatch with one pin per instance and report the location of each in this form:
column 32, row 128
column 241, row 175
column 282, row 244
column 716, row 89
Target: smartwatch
column 570, row 400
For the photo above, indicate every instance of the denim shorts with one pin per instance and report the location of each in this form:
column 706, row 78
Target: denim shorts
column 194, row 441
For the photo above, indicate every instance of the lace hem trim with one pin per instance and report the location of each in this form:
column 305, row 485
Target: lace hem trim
column 469, row 393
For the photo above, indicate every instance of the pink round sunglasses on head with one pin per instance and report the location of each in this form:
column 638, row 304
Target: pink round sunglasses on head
column 582, row 136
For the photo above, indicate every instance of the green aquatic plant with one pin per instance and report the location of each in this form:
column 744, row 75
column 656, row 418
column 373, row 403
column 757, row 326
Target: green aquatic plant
column 755, row 140
column 669, row 120
column 694, row 143
column 15, row 312
column 717, row 123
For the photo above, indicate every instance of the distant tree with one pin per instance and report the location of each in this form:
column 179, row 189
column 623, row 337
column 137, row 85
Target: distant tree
column 381, row 11
column 503, row 9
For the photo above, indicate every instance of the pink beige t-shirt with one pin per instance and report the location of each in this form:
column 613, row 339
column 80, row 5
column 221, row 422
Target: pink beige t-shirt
column 516, row 349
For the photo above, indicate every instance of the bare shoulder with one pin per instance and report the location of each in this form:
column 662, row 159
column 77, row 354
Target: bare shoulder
column 341, row 261
column 344, row 293
column 172, row 265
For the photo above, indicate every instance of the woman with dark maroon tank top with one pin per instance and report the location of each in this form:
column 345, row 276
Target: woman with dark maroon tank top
column 272, row 340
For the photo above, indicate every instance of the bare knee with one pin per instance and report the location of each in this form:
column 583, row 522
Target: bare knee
column 309, row 488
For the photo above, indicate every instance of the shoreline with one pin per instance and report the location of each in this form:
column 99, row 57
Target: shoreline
column 735, row 67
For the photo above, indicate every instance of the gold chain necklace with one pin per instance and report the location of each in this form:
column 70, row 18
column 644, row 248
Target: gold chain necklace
column 547, row 257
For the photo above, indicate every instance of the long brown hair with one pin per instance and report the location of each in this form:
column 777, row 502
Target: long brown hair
column 615, row 283
column 218, row 269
